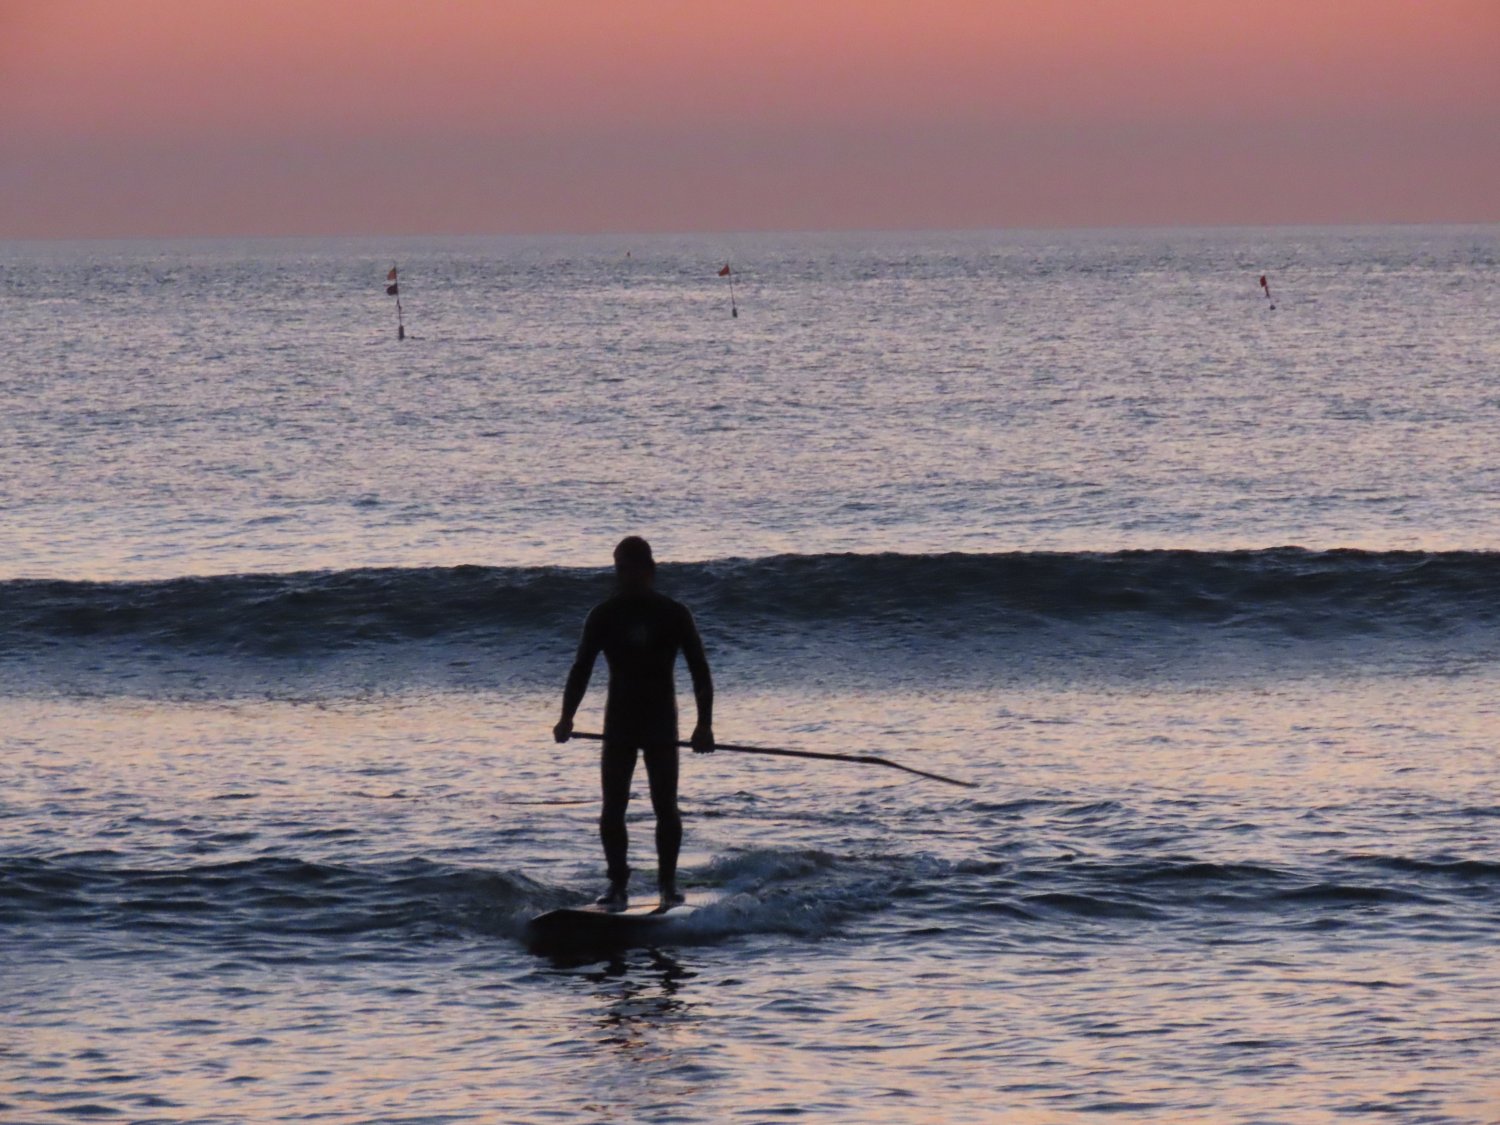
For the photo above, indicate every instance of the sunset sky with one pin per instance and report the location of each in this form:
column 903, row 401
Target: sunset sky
column 201, row 117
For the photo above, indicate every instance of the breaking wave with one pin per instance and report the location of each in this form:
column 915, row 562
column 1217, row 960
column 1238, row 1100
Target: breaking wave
column 917, row 606
column 273, row 906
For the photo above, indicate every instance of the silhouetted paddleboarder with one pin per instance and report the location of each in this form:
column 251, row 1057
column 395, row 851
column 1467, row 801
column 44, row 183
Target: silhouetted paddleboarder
column 640, row 632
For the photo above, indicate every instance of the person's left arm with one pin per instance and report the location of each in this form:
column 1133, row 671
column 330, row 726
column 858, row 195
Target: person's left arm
column 579, row 676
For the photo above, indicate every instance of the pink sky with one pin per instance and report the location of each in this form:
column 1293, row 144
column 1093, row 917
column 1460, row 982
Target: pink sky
column 168, row 117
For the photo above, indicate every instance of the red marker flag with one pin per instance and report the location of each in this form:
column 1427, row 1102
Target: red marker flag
column 392, row 275
column 725, row 271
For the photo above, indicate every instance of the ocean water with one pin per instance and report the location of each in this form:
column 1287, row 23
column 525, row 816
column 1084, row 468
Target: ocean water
column 1205, row 596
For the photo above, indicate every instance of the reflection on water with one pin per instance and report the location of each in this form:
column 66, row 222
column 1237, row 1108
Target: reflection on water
column 640, row 999
column 647, row 1049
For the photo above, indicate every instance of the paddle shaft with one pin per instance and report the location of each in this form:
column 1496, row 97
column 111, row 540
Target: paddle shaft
column 780, row 752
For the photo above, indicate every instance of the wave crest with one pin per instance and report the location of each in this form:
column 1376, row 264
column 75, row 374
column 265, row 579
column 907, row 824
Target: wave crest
column 928, row 607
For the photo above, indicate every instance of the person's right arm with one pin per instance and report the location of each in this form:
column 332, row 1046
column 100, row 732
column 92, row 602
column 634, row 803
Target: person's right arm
column 703, row 685
column 578, row 677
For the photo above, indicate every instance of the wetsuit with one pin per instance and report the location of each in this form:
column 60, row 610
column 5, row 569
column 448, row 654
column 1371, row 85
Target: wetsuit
column 640, row 635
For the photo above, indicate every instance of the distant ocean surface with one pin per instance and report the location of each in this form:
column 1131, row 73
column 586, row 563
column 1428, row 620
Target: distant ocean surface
column 1205, row 595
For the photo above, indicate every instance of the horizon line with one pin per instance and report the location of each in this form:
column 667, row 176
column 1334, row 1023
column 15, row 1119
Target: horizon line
column 751, row 231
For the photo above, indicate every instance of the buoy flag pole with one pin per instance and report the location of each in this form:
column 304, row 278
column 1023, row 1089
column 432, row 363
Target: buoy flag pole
column 1264, row 284
column 734, row 309
column 394, row 290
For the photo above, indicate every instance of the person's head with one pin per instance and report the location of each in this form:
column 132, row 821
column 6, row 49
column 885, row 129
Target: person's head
column 635, row 568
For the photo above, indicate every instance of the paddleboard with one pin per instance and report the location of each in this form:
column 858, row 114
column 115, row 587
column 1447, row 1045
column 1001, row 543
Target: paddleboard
column 593, row 927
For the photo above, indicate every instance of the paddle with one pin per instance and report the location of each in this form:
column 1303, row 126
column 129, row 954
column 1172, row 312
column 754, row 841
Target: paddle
column 862, row 759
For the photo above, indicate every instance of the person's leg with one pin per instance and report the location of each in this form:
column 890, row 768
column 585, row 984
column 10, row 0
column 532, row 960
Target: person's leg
column 616, row 768
column 661, row 772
